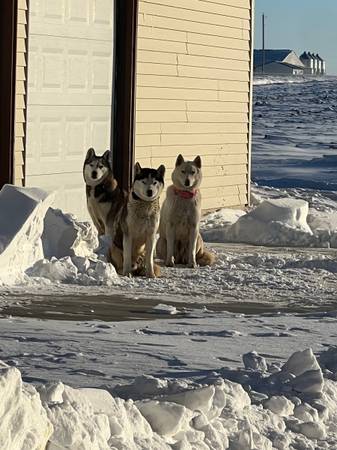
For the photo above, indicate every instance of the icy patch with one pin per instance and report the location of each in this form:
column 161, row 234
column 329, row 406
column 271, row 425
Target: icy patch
column 161, row 308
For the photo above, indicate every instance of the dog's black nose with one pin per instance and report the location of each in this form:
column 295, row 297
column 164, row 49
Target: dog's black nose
column 94, row 174
column 187, row 182
column 149, row 193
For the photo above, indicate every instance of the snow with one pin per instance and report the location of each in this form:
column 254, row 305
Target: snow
column 21, row 229
column 23, row 420
column 294, row 133
column 99, row 361
column 212, row 413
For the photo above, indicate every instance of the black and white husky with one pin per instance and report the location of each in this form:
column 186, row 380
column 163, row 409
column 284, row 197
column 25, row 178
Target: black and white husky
column 105, row 200
column 141, row 219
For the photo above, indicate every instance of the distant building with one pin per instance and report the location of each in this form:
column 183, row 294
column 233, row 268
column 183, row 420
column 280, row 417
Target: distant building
column 278, row 62
column 314, row 64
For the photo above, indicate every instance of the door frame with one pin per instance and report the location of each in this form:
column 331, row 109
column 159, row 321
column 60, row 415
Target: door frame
column 124, row 85
column 124, row 91
column 8, row 35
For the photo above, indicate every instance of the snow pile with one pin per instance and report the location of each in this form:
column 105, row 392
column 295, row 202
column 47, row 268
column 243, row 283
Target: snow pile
column 21, row 227
column 274, row 222
column 277, row 220
column 265, row 407
column 23, row 420
column 43, row 243
column 75, row 270
column 64, row 236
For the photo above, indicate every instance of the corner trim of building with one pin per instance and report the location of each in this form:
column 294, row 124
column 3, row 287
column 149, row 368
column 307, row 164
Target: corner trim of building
column 8, row 43
column 124, row 87
column 250, row 133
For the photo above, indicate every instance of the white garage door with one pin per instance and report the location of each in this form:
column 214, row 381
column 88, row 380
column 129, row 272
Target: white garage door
column 69, row 94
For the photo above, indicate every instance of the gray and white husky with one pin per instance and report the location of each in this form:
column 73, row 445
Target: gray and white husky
column 141, row 219
column 105, row 199
column 179, row 239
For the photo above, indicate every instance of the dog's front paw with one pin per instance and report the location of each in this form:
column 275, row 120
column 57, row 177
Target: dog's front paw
column 169, row 262
column 192, row 265
column 127, row 273
column 151, row 274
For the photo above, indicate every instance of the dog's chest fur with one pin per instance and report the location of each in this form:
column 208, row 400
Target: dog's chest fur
column 105, row 201
column 142, row 217
column 182, row 213
column 98, row 201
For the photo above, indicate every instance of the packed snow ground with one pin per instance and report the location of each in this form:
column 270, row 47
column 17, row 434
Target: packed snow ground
column 187, row 375
column 192, row 397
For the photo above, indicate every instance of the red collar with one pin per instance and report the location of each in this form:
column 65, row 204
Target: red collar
column 185, row 194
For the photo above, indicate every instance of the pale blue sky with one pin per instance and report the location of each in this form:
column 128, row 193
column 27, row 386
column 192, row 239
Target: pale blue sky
column 300, row 25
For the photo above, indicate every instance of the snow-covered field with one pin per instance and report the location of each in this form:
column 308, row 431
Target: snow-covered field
column 197, row 358
column 295, row 133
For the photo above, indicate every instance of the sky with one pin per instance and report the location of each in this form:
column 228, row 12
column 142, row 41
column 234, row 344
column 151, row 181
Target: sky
column 299, row 25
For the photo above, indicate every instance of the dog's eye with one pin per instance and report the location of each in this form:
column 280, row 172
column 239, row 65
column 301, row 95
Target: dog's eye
column 183, row 171
column 155, row 183
column 144, row 182
column 193, row 172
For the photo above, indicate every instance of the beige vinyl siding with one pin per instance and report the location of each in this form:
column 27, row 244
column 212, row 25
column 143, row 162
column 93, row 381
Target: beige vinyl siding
column 20, row 100
column 194, row 89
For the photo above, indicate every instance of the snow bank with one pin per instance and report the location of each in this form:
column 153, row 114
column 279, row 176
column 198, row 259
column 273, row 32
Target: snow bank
column 23, row 421
column 275, row 221
column 44, row 243
column 21, row 227
column 285, row 408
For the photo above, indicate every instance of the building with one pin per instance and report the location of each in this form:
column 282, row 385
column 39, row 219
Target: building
column 314, row 64
column 149, row 79
column 277, row 62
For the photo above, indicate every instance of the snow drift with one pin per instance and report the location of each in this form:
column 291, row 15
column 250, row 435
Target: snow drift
column 263, row 408
column 42, row 242
column 280, row 220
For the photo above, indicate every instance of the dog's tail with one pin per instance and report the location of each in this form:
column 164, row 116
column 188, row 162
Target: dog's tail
column 206, row 258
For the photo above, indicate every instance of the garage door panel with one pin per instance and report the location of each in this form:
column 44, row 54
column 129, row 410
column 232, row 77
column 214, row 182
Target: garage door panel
column 59, row 139
column 69, row 191
column 69, row 93
column 62, row 70
column 88, row 19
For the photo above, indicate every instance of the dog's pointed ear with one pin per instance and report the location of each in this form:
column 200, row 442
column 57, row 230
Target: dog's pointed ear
column 197, row 162
column 106, row 156
column 180, row 160
column 137, row 168
column 90, row 154
column 161, row 170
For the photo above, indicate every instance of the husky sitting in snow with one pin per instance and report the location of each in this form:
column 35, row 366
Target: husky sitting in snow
column 179, row 238
column 104, row 198
column 141, row 219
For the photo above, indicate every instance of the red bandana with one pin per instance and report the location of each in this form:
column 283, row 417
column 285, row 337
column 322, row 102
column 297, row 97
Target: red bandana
column 185, row 194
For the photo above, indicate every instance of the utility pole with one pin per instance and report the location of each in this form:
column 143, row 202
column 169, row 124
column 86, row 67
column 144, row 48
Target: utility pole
column 263, row 49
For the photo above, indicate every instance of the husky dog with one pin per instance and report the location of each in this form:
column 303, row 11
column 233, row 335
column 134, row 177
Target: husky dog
column 141, row 219
column 179, row 238
column 105, row 201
